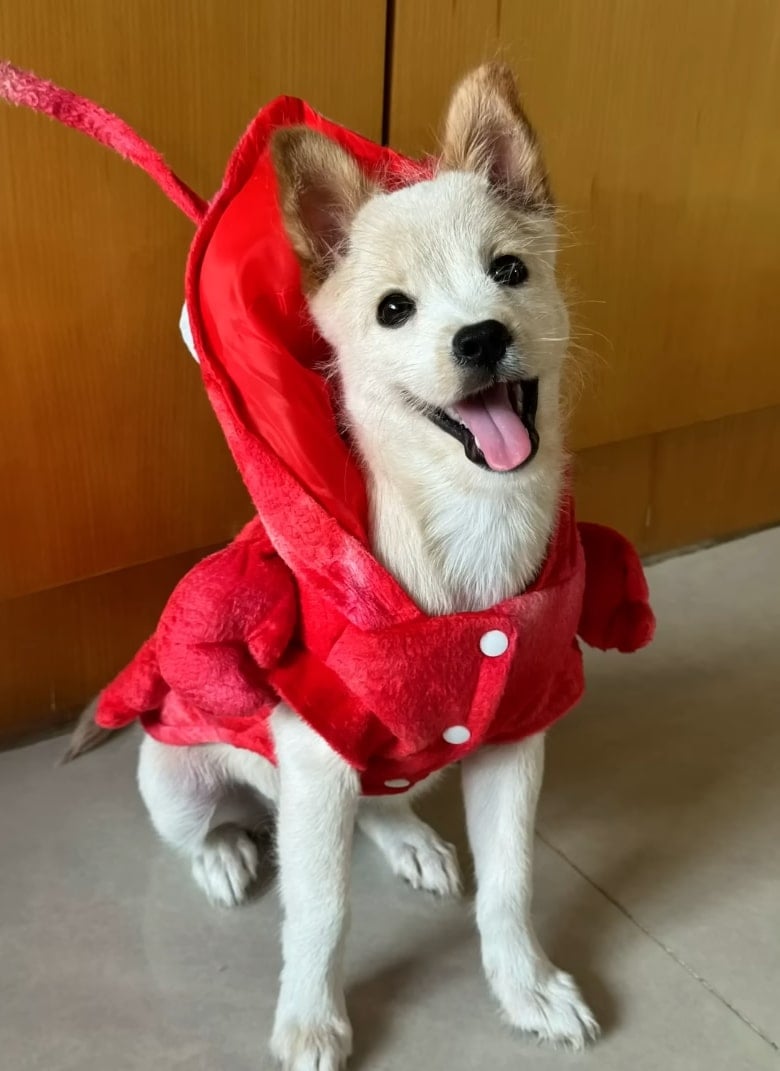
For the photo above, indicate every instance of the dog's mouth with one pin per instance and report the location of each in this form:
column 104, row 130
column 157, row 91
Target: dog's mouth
column 496, row 426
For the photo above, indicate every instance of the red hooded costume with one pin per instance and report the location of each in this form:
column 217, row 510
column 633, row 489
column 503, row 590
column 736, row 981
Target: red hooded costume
column 297, row 608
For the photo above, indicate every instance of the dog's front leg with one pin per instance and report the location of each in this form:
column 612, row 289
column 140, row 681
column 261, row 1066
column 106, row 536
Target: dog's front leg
column 318, row 796
column 501, row 789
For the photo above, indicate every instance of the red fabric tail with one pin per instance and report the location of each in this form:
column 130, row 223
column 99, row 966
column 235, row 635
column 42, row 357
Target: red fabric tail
column 23, row 87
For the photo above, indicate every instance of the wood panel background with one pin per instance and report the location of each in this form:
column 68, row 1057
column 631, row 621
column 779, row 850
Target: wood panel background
column 62, row 645
column 659, row 120
column 110, row 456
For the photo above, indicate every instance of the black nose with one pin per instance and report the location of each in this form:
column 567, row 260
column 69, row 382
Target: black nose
column 481, row 345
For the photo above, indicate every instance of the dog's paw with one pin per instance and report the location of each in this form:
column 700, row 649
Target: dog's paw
column 323, row 1046
column 226, row 865
column 426, row 862
column 549, row 1006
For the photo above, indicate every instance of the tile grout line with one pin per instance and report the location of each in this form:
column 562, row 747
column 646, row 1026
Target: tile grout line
column 664, row 947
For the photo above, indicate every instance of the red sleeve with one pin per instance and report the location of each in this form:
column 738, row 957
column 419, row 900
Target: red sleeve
column 616, row 613
column 137, row 689
column 229, row 620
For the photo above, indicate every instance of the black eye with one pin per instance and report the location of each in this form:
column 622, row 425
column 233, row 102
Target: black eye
column 395, row 309
column 508, row 270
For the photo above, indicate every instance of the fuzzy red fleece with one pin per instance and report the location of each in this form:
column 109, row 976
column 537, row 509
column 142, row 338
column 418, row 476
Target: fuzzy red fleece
column 397, row 693
column 297, row 608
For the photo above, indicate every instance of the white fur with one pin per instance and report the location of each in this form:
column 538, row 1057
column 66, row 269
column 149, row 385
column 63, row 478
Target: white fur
column 458, row 538
column 412, row 850
column 501, row 788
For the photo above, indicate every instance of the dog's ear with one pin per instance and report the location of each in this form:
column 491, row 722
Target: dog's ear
column 320, row 190
column 486, row 130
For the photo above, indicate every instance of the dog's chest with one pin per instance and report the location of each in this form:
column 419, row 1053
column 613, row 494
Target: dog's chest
column 462, row 554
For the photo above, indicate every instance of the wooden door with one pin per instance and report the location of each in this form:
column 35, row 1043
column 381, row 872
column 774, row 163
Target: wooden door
column 113, row 471
column 660, row 124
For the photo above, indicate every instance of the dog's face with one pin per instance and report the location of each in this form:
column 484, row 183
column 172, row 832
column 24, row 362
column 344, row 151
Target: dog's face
column 440, row 299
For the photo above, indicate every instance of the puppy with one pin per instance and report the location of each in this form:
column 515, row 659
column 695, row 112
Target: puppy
column 449, row 334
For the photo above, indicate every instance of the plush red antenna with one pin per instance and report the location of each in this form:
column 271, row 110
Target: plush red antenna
column 25, row 88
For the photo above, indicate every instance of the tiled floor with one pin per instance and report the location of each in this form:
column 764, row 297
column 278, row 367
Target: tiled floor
column 658, row 884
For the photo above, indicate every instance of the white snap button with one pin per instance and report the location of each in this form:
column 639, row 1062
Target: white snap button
column 494, row 643
column 397, row 782
column 456, row 734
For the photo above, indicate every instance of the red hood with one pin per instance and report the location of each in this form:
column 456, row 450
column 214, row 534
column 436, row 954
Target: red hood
column 259, row 350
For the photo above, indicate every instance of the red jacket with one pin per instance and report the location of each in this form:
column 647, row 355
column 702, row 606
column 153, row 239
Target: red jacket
column 297, row 607
column 397, row 693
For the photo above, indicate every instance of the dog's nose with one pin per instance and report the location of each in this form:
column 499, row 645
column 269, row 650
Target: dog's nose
column 481, row 345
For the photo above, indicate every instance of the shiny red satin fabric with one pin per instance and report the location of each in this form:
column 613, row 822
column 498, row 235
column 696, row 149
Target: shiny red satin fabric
column 251, row 324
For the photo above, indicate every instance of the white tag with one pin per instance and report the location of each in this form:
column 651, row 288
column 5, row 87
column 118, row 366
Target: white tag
column 186, row 331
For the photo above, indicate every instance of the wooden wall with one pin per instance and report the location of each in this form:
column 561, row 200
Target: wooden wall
column 660, row 124
column 113, row 474
column 659, row 119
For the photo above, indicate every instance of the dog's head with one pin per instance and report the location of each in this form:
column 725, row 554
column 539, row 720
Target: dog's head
column 439, row 299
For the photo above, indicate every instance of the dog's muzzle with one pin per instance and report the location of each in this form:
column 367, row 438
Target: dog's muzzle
column 496, row 426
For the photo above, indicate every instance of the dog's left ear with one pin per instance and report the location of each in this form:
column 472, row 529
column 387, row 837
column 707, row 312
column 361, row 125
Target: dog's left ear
column 486, row 130
column 320, row 190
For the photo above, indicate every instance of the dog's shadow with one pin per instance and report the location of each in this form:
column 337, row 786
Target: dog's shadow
column 374, row 998
column 373, row 1001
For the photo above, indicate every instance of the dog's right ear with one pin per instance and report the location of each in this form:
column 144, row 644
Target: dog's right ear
column 320, row 190
column 487, row 131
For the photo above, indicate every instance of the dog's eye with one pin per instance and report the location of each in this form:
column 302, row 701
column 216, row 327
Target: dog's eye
column 395, row 309
column 508, row 270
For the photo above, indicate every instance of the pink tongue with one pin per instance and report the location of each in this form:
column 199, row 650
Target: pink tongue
column 499, row 431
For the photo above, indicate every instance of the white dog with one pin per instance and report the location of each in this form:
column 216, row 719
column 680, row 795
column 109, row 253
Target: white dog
column 440, row 304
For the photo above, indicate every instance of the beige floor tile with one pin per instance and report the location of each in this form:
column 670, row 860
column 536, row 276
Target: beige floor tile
column 110, row 960
column 664, row 788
